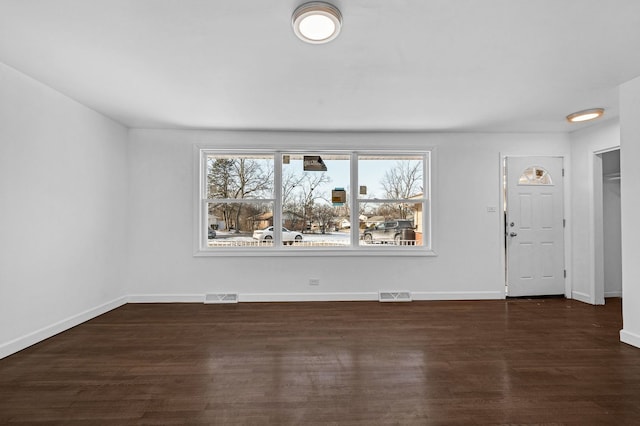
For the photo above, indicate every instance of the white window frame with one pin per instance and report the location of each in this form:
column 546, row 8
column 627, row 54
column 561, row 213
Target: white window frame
column 200, row 239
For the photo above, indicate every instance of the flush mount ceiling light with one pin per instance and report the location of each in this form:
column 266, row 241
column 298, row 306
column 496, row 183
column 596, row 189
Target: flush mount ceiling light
column 316, row 22
column 585, row 115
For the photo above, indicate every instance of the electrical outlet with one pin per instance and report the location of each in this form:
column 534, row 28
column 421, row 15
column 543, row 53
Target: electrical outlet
column 314, row 281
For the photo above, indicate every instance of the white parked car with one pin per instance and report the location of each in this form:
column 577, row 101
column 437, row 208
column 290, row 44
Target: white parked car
column 266, row 234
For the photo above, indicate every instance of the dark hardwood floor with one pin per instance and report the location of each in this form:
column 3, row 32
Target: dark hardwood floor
column 522, row 361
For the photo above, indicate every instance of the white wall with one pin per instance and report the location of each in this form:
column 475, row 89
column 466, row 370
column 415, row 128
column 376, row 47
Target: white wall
column 63, row 179
column 630, row 187
column 467, row 238
column 584, row 145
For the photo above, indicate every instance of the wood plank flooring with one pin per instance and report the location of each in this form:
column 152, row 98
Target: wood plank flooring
column 522, row 361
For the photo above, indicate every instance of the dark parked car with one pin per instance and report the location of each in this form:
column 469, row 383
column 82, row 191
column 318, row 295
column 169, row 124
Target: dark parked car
column 389, row 231
column 212, row 233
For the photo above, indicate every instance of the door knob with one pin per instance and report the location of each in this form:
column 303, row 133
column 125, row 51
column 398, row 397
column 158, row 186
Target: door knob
column 513, row 234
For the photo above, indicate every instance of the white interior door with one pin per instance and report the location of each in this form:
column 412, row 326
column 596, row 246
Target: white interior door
column 535, row 226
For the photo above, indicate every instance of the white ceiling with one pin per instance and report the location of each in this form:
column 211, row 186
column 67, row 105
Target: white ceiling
column 435, row 65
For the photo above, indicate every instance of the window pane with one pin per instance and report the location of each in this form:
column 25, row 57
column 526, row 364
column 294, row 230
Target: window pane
column 391, row 200
column 399, row 224
column 309, row 183
column 535, row 176
column 233, row 224
column 391, row 176
column 239, row 176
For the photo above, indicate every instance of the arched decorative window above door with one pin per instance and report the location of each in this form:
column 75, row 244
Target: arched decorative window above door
column 535, row 175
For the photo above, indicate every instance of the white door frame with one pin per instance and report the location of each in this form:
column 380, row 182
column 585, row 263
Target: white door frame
column 597, row 224
column 567, row 214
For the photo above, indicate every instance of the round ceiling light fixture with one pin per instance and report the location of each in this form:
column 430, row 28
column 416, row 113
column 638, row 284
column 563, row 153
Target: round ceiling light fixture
column 585, row 115
column 316, row 22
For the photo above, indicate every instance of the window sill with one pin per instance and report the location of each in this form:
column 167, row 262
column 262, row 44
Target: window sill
column 332, row 252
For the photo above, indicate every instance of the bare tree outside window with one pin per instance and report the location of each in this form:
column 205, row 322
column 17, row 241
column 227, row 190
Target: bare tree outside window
column 300, row 192
column 238, row 178
column 324, row 215
column 402, row 182
column 310, row 193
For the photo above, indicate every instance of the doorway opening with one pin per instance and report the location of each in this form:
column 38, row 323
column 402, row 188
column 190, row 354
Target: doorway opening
column 608, row 247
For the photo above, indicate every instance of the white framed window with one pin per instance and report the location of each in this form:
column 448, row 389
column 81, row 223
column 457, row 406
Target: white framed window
column 297, row 202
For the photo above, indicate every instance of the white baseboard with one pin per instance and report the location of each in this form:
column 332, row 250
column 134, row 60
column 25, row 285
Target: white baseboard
column 165, row 298
column 24, row 342
column 306, row 297
column 582, row 297
column 612, row 294
column 457, row 295
column 630, row 338
column 316, row 297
